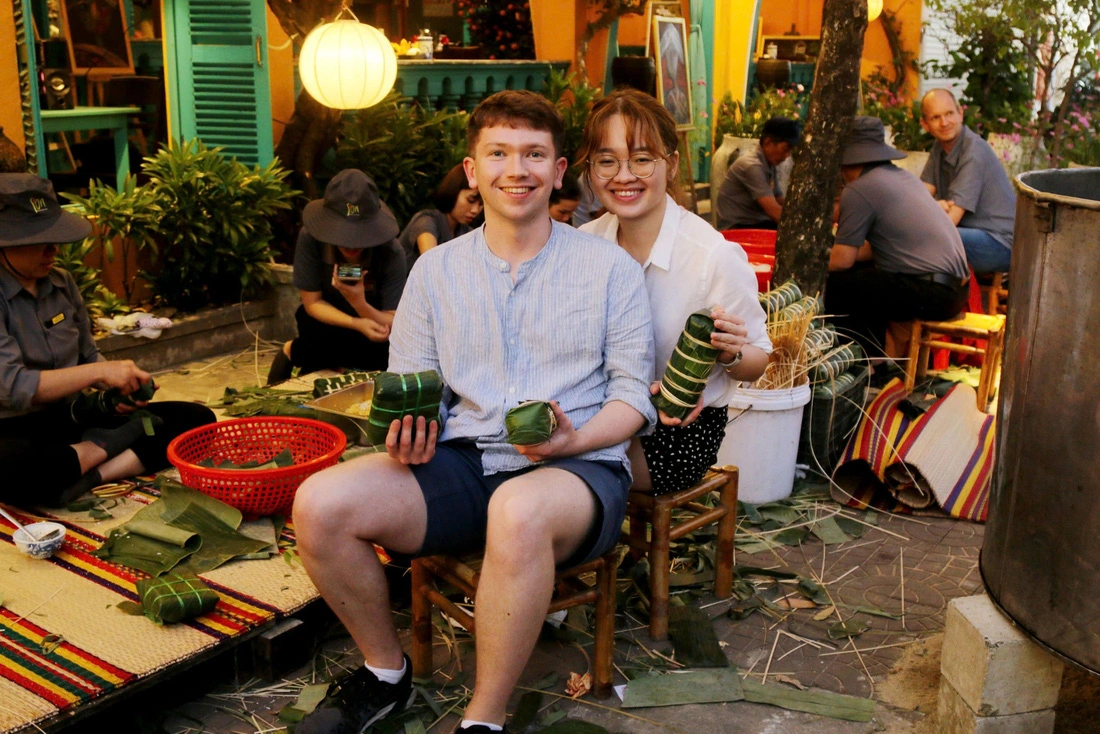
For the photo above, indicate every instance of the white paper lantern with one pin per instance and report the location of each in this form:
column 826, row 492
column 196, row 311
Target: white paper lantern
column 347, row 65
column 874, row 10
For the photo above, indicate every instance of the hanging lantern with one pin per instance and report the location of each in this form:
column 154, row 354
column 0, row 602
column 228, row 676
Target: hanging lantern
column 874, row 10
column 347, row 65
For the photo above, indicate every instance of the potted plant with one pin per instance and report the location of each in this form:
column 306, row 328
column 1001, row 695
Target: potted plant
column 214, row 229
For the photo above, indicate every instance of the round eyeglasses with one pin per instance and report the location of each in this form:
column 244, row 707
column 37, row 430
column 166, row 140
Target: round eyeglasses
column 641, row 165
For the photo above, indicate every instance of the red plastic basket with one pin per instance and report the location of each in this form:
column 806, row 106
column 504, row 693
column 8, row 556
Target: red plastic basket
column 759, row 241
column 313, row 444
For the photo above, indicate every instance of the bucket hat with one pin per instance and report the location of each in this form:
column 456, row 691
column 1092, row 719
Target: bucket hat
column 30, row 214
column 867, row 143
column 350, row 215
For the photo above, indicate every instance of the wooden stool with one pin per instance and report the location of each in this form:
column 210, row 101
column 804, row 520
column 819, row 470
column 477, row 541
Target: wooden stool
column 972, row 326
column 996, row 295
column 655, row 511
column 570, row 591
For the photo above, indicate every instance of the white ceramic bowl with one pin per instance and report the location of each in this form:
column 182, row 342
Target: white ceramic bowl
column 40, row 548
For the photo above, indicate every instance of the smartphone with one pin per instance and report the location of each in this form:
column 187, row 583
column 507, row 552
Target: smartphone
column 349, row 273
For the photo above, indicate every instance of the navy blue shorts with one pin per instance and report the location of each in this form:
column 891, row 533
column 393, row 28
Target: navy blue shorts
column 457, row 491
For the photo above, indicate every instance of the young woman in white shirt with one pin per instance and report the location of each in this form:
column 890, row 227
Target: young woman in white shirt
column 631, row 163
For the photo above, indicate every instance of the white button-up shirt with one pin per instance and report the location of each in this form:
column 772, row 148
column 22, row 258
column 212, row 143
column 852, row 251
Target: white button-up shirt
column 691, row 268
column 573, row 327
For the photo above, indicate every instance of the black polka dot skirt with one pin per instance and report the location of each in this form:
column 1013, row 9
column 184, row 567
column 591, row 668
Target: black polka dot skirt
column 679, row 456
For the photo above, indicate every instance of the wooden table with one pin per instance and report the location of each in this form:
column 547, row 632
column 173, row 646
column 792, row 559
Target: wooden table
column 115, row 119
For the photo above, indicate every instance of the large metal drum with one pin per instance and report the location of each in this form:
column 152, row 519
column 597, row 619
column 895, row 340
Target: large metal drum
column 1041, row 554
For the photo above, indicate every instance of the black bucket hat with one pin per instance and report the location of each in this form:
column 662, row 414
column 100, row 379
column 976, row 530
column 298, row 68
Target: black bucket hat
column 30, row 214
column 867, row 143
column 351, row 215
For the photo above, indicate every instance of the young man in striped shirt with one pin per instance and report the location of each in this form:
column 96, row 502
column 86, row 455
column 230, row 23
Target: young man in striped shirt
column 521, row 308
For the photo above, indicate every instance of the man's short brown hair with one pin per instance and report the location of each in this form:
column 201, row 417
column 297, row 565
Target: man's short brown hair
column 516, row 109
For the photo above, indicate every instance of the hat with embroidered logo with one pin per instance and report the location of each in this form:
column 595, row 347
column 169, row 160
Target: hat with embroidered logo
column 30, row 214
column 351, row 215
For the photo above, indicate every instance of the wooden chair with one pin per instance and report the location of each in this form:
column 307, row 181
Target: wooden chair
column 645, row 510
column 570, row 591
column 926, row 336
column 996, row 295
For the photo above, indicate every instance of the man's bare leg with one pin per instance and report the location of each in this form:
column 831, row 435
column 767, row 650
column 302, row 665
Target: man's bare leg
column 535, row 521
column 337, row 514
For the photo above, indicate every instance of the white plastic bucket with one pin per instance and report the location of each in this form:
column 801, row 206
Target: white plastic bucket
column 762, row 441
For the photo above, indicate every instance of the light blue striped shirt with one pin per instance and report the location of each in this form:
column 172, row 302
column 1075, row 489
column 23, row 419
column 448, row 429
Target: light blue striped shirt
column 574, row 327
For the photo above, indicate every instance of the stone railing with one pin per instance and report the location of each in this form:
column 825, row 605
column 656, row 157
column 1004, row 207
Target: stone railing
column 460, row 84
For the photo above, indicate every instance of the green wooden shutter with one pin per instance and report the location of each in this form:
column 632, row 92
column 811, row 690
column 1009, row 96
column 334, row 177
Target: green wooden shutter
column 221, row 89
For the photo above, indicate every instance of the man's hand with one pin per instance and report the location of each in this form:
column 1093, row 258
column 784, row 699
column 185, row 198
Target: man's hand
column 371, row 329
column 563, row 442
column 667, row 419
column 123, row 374
column 730, row 334
column 946, row 205
column 410, row 446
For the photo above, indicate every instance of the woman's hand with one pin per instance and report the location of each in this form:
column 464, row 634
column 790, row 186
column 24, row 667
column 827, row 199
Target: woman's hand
column 123, row 374
column 354, row 293
column 667, row 419
column 563, row 440
column 371, row 329
column 730, row 334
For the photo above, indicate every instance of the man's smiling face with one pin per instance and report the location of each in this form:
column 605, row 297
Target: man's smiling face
column 514, row 169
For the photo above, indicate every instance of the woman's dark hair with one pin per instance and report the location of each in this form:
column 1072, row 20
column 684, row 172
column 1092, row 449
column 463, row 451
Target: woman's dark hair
column 447, row 193
column 570, row 189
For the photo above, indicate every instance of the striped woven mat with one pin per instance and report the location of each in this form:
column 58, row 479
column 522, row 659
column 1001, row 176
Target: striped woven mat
column 63, row 642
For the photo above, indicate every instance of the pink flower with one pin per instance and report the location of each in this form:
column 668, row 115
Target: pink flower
column 1069, row 144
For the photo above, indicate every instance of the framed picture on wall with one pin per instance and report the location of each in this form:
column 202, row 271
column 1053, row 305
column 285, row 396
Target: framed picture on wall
column 659, row 9
column 673, row 79
column 99, row 42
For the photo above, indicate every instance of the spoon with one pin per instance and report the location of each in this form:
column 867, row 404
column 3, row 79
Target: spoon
column 25, row 529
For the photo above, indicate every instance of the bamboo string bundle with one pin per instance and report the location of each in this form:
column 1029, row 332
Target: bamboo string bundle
column 788, row 364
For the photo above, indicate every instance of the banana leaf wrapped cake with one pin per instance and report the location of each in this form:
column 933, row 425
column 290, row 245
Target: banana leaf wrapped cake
column 689, row 367
column 396, row 396
column 175, row 597
column 529, row 423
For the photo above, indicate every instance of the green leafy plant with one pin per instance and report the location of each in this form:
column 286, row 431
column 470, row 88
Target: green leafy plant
column 98, row 301
column 573, row 96
column 899, row 114
column 747, row 120
column 406, row 150
column 214, row 226
column 128, row 216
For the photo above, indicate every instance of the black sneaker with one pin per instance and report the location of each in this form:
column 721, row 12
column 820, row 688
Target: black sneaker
column 479, row 729
column 359, row 701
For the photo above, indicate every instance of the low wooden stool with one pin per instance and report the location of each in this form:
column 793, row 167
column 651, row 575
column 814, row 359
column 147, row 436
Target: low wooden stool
column 970, row 325
column 646, row 510
column 570, row 591
column 996, row 295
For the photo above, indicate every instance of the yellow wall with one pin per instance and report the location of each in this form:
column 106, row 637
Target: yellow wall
column 280, row 59
column 11, row 118
column 776, row 17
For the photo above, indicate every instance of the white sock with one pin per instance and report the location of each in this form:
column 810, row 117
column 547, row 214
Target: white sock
column 388, row 675
column 467, row 723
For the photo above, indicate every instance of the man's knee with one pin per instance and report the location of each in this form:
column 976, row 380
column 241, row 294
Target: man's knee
column 330, row 501
column 517, row 513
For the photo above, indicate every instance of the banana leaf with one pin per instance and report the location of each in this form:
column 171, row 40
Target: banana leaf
column 174, row 597
column 323, row 386
column 781, row 297
column 529, row 423
column 818, row 341
column 689, row 367
column 396, row 396
column 836, row 362
column 831, row 388
column 803, row 306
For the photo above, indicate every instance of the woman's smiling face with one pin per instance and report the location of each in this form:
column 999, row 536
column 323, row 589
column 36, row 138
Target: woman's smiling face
column 626, row 194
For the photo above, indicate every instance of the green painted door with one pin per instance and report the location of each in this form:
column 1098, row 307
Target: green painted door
column 220, row 90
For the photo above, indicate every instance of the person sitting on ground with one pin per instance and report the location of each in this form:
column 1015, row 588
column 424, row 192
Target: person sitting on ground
column 456, row 208
column 564, row 201
column 629, row 148
column 344, row 320
column 750, row 197
column 897, row 257
column 965, row 176
column 521, row 308
column 49, row 453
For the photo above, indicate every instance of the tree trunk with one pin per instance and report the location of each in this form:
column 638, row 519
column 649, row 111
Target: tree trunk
column 806, row 229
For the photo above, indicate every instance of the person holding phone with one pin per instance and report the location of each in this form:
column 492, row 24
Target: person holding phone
column 350, row 271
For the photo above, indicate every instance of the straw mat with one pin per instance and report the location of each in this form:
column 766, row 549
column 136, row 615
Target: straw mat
column 897, row 463
column 74, row 595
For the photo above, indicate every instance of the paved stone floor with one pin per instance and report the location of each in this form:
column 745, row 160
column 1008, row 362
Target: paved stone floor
column 909, row 567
